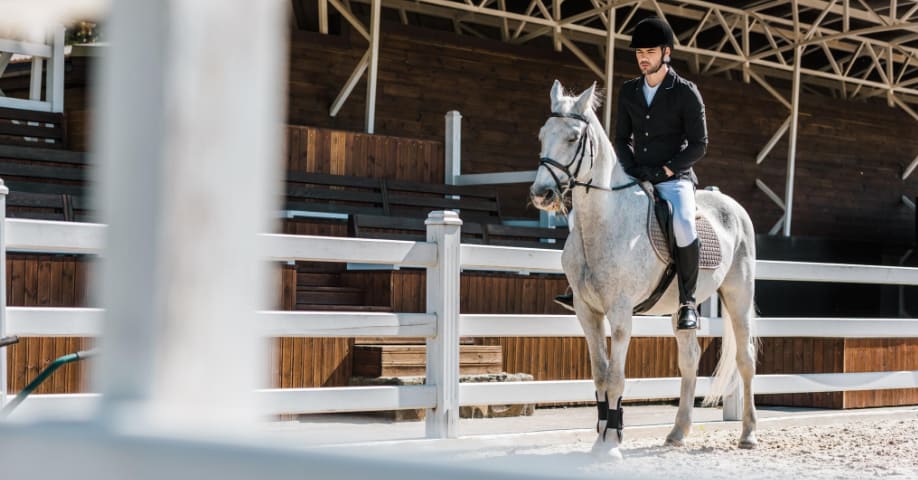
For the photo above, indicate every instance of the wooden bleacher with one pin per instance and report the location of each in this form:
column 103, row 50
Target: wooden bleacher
column 392, row 209
column 31, row 128
column 46, row 184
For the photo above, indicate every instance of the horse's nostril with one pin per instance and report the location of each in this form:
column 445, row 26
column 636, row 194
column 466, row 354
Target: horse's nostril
column 549, row 194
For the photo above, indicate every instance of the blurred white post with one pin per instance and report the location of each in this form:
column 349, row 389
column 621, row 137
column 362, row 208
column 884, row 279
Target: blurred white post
column 443, row 228
column 54, row 87
column 4, row 191
column 189, row 146
column 453, row 147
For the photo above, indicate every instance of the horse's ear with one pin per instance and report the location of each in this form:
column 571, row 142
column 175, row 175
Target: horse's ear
column 584, row 102
column 556, row 91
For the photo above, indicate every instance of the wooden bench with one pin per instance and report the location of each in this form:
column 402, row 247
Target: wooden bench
column 311, row 193
column 396, row 210
column 44, row 184
column 29, row 127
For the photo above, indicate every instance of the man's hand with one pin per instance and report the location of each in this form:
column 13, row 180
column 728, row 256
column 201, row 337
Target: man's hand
column 669, row 173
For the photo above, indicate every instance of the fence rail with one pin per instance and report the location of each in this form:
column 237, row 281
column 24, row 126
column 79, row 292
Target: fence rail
column 443, row 256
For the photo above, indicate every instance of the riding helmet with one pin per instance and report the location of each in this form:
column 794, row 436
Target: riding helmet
column 652, row 32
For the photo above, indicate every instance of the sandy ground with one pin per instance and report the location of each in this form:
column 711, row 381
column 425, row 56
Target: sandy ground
column 856, row 449
column 863, row 444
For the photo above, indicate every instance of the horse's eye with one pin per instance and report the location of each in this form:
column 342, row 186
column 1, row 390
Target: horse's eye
column 573, row 138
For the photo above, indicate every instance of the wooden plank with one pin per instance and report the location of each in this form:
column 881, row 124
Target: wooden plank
column 311, row 150
column 30, row 115
column 43, row 154
column 338, row 149
column 39, row 131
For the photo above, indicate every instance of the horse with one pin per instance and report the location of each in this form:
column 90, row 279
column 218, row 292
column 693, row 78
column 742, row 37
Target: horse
column 611, row 266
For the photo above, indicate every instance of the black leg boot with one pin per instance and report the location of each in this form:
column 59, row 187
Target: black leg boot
column 566, row 300
column 687, row 268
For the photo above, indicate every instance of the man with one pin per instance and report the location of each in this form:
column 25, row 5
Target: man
column 660, row 132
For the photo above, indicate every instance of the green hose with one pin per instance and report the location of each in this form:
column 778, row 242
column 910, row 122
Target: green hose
column 57, row 363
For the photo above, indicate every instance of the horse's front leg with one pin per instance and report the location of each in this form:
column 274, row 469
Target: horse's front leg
column 689, row 354
column 610, row 433
column 592, row 323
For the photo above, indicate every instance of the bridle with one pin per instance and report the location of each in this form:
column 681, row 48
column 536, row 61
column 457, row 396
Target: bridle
column 586, row 140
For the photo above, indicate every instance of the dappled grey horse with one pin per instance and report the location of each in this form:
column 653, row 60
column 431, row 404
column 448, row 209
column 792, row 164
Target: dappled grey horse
column 611, row 266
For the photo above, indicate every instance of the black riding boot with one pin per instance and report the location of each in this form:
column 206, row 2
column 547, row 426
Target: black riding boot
column 687, row 269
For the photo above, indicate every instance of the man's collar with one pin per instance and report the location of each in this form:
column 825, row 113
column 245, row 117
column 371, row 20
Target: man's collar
column 669, row 80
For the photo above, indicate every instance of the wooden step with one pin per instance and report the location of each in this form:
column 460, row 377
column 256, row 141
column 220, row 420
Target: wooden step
column 342, row 308
column 329, row 295
column 318, row 279
column 410, row 360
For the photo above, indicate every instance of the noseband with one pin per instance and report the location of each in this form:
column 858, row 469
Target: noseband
column 586, row 139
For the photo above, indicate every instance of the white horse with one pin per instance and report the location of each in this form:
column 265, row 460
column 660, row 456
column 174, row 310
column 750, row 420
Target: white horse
column 611, row 266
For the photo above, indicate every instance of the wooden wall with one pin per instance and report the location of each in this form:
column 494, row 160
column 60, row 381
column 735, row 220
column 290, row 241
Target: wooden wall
column 881, row 354
column 338, row 152
column 46, row 281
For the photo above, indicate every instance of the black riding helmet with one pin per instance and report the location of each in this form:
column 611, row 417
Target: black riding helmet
column 652, row 32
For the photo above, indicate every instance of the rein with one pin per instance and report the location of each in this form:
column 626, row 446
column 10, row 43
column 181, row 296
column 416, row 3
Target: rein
column 577, row 161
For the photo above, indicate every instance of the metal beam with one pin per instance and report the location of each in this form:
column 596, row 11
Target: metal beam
column 375, row 13
column 773, row 141
column 792, row 144
column 351, row 18
column 576, row 28
column 770, row 193
column 583, row 57
column 350, row 84
column 323, row 17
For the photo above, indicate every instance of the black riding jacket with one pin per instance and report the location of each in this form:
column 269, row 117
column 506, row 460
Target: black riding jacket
column 671, row 131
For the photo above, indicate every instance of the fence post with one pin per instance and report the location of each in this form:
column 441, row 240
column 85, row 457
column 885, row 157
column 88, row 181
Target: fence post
column 55, row 81
column 443, row 229
column 452, row 147
column 3, row 352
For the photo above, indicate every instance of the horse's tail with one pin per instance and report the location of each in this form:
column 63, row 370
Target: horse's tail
column 726, row 377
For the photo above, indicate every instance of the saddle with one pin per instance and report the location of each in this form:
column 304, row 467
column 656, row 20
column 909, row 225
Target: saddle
column 660, row 231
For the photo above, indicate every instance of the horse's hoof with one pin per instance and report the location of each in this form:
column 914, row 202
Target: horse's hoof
column 676, row 438
column 748, row 441
column 748, row 444
column 673, row 442
column 606, row 451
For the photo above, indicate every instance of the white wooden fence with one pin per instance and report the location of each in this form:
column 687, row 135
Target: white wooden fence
column 442, row 325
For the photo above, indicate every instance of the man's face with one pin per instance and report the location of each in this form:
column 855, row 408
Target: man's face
column 650, row 59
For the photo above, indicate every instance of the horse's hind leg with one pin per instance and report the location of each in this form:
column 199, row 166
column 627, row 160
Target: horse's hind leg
column 689, row 354
column 737, row 293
